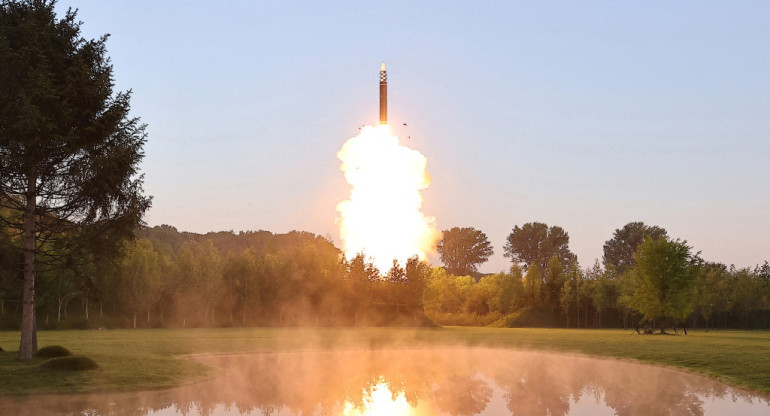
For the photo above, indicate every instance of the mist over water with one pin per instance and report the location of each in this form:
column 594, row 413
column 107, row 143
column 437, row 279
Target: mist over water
column 451, row 381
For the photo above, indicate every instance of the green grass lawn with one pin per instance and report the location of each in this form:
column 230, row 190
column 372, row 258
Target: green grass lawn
column 150, row 359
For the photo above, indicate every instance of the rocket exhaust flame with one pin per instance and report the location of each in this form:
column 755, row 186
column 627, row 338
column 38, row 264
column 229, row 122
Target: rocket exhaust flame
column 381, row 216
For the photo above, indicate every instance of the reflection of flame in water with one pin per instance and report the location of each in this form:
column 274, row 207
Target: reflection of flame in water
column 380, row 402
column 437, row 381
column 381, row 216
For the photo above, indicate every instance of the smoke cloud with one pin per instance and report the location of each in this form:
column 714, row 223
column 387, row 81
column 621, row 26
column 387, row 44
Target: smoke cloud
column 382, row 216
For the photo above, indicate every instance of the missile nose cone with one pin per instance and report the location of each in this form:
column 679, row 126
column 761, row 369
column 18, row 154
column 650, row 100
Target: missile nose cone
column 382, row 67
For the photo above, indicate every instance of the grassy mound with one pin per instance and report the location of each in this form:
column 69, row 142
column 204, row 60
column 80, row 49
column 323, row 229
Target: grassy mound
column 531, row 318
column 52, row 351
column 71, row 363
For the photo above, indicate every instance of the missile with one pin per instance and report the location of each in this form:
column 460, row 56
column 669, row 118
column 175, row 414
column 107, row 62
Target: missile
column 383, row 94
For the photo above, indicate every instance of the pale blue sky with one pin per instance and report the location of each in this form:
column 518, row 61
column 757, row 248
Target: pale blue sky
column 586, row 115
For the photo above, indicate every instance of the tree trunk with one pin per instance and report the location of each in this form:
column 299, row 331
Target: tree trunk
column 101, row 309
column 28, row 343
column 244, row 316
column 58, row 310
column 86, row 308
column 34, row 330
column 578, row 313
column 134, row 319
column 148, row 315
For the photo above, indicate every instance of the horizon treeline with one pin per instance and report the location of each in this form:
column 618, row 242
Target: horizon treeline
column 645, row 280
column 168, row 278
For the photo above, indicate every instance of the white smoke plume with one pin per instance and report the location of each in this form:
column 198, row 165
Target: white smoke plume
column 382, row 216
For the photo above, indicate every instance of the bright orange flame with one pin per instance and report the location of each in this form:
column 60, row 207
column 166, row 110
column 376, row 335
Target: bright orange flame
column 380, row 402
column 382, row 217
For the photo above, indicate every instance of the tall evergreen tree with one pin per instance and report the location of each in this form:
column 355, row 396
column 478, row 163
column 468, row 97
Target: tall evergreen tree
column 69, row 152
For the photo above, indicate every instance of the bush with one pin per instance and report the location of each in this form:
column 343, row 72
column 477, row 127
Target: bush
column 52, row 351
column 71, row 363
column 531, row 317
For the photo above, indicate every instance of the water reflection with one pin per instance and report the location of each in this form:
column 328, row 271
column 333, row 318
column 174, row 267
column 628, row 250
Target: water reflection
column 379, row 400
column 418, row 382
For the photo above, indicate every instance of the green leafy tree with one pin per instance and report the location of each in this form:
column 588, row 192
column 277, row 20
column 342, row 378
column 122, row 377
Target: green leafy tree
column 715, row 291
column 508, row 291
column 417, row 274
column 238, row 275
column 747, row 294
column 619, row 251
column 61, row 286
column 357, row 274
column 602, row 291
column 462, row 250
column 200, row 279
column 396, row 290
column 665, row 280
column 68, row 150
column 763, row 274
column 441, row 293
column 533, row 282
column 140, row 272
column 536, row 243
column 624, row 289
column 396, row 273
column 553, row 282
column 208, row 277
column 478, row 296
column 569, row 296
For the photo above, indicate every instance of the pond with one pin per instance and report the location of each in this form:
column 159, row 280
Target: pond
column 451, row 381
